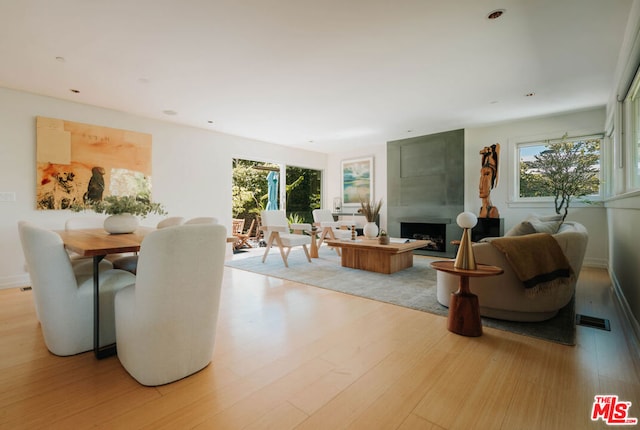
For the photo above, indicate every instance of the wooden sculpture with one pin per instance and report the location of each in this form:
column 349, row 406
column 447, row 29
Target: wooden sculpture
column 489, row 180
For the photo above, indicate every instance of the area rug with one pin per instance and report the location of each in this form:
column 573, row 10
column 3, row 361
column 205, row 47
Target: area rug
column 413, row 288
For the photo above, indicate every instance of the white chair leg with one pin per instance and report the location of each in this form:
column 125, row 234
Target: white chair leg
column 283, row 253
column 306, row 252
column 269, row 243
column 326, row 232
column 332, row 236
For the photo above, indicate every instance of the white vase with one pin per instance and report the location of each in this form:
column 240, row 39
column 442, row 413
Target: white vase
column 121, row 223
column 370, row 230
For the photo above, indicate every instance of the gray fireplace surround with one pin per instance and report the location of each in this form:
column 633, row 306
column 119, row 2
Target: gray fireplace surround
column 425, row 189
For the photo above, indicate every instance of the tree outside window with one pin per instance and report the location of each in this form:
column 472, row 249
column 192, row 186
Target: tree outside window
column 303, row 193
column 563, row 169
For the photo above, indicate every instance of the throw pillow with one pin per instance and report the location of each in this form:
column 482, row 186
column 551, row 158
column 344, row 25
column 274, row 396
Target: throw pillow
column 554, row 217
column 550, row 227
column 522, row 228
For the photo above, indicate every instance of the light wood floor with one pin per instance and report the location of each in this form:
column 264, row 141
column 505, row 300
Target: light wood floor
column 289, row 356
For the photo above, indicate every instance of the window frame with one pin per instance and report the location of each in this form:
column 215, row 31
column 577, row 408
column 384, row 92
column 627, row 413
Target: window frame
column 632, row 145
column 548, row 201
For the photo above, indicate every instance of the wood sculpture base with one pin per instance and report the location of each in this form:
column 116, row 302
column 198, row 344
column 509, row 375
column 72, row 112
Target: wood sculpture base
column 464, row 307
column 464, row 311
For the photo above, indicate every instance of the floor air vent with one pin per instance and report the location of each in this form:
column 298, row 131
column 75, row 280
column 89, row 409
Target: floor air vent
column 25, row 289
column 593, row 322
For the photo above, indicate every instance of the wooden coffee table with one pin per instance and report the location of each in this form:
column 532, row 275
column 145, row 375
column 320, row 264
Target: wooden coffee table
column 368, row 254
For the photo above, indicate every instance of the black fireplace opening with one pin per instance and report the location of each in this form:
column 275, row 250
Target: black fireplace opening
column 435, row 234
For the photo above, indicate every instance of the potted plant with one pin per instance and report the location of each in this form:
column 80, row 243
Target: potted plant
column 370, row 210
column 123, row 211
column 384, row 238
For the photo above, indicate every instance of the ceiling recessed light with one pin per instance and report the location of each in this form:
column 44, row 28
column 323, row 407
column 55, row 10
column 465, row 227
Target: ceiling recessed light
column 169, row 112
column 496, row 14
column 75, row 91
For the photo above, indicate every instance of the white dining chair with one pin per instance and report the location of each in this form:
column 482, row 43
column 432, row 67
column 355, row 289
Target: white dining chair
column 166, row 322
column 202, row 220
column 130, row 262
column 64, row 299
column 80, row 263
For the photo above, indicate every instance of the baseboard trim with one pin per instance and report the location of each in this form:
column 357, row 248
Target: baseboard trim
column 14, row 281
column 630, row 323
column 596, row 262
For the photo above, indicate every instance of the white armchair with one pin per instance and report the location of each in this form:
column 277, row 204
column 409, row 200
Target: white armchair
column 276, row 229
column 166, row 322
column 64, row 299
column 330, row 229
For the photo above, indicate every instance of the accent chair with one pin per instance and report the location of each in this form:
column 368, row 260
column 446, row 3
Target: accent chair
column 276, row 229
column 331, row 229
column 166, row 322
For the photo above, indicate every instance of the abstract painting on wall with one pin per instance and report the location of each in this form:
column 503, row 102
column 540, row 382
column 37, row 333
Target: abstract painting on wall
column 76, row 163
column 357, row 181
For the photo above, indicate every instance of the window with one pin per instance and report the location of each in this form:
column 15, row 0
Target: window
column 253, row 188
column 544, row 166
column 303, row 193
column 257, row 186
column 634, row 133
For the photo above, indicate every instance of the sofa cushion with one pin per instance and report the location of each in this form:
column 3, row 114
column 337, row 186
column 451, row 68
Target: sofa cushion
column 554, row 217
column 536, row 224
column 550, row 227
column 520, row 229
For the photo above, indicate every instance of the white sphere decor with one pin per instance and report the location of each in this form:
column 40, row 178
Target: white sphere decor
column 465, row 259
column 467, row 220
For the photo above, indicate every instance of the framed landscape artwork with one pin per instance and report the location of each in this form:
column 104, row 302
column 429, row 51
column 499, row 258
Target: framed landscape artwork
column 357, row 181
column 78, row 162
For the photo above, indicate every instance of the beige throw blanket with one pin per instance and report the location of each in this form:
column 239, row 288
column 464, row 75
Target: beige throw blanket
column 537, row 260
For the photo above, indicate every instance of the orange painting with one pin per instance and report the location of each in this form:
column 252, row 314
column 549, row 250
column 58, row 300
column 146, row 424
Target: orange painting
column 77, row 163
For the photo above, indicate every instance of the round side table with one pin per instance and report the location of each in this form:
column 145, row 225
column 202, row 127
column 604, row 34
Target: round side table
column 464, row 309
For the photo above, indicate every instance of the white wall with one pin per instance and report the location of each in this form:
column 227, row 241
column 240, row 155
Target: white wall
column 594, row 217
column 191, row 167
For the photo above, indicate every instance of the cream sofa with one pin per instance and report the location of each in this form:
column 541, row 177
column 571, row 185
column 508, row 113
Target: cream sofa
column 504, row 296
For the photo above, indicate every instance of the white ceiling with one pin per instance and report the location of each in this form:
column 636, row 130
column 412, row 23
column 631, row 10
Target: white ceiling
column 325, row 75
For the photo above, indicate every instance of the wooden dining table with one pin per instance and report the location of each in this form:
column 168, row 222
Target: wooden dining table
column 97, row 243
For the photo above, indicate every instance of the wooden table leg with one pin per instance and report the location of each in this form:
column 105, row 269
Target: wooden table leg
column 313, row 251
column 464, row 311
